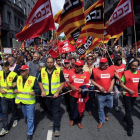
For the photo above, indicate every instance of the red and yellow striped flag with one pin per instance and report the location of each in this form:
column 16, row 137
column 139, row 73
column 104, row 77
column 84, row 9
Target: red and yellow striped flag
column 22, row 45
column 57, row 16
column 94, row 26
column 95, row 21
column 72, row 16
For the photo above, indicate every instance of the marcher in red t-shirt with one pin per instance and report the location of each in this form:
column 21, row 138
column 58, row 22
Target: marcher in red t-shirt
column 130, row 83
column 103, row 79
column 77, row 79
column 66, row 71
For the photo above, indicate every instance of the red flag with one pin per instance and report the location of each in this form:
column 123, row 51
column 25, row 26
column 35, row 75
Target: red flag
column 122, row 18
column 81, row 41
column 66, row 47
column 39, row 21
column 54, row 51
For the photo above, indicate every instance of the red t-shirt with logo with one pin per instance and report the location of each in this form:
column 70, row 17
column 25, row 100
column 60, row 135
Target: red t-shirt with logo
column 103, row 77
column 78, row 80
column 66, row 75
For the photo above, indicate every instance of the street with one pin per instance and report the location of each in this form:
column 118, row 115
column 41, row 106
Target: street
column 114, row 129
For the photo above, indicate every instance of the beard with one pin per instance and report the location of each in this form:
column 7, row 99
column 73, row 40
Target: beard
column 50, row 67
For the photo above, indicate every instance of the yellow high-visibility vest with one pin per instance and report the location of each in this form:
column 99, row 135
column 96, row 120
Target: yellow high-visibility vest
column 9, row 81
column 55, row 80
column 24, row 96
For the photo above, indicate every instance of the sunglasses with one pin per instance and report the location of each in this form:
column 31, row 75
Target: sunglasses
column 67, row 63
column 77, row 66
column 90, row 59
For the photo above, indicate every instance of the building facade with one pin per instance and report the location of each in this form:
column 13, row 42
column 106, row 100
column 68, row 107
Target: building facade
column 110, row 5
column 14, row 14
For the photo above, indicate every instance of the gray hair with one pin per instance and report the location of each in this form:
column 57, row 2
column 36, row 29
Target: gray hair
column 42, row 65
column 37, row 54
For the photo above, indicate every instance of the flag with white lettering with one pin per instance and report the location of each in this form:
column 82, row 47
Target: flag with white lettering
column 94, row 23
column 122, row 17
column 90, row 44
column 65, row 47
column 72, row 16
column 54, row 51
column 40, row 20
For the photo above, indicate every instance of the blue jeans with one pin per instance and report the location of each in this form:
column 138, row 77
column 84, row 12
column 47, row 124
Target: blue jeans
column 89, row 103
column 4, row 105
column 29, row 113
column 0, row 109
column 105, row 102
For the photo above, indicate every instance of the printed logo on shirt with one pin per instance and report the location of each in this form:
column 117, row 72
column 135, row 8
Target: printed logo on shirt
column 66, row 75
column 19, row 81
column 73, row 76
column 10, row 79
column 135, row 80
column 29, row 82
column 120, row 70
column 43, row 75
column 0, row 78
column 77, row 80
column 83, row 77
column 56, row 73
column 105, row 75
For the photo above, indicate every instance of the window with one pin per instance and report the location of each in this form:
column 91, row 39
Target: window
column 8, row 17
column 24, row 10
column 18, row 22
column 28, row 6
column 15, row 18
column 22, row 22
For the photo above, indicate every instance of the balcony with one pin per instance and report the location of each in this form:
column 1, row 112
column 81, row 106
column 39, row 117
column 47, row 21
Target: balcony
column 17, row 9
column 5, row 26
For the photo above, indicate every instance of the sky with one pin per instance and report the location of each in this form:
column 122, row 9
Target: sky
column 57, row 5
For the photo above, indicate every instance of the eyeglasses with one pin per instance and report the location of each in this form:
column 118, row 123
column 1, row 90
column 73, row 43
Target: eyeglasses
column 90, row 59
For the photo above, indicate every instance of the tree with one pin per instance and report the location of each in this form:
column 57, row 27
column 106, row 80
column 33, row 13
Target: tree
column 64, row 38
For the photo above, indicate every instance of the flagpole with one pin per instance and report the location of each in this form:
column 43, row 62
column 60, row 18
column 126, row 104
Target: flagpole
column 58, row 45
column 122, row 41
column 135, row 39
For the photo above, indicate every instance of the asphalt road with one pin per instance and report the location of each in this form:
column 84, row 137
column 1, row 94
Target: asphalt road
column 114, row 129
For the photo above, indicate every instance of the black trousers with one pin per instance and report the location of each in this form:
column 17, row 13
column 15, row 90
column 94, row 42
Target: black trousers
column 4, row 104
column 129, row 104
column 74, row 110
column 53, row 106
column 67, row 98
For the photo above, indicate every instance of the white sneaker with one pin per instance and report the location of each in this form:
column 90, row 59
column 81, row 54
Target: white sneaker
column 56, row 133
column 15, row 123
column 3, row 132
column 51, row 124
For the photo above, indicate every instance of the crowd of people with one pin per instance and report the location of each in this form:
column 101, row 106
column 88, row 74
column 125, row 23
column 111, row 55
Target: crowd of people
column 30, row 76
